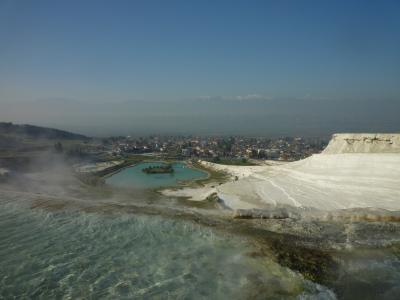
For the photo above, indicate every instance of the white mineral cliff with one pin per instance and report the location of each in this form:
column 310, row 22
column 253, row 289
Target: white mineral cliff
column 355, row 170
column 364, row 143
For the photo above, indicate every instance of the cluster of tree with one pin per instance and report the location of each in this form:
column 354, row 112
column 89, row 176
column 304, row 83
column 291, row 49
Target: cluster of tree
column 231, row 161
column 159, row 169
column 75, row 151
column 58, row 147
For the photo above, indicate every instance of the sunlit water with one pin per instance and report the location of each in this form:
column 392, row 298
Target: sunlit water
column 69, row 255
column 134, row 176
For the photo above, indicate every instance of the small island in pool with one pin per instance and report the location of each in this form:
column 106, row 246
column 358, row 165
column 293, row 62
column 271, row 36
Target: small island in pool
column 161, row 169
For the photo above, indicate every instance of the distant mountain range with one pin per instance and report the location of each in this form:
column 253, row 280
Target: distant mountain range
column 8, row 128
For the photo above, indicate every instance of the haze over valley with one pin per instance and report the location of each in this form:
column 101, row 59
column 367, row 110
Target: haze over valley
column 251, row 117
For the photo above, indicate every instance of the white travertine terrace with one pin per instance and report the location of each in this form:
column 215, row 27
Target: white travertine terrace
column 355, row 170
column 364, row 143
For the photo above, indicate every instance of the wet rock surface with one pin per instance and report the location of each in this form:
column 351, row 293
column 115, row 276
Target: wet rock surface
column 272, row 213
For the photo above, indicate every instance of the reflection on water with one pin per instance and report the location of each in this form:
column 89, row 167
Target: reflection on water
column 75, row 254
column 135, row 178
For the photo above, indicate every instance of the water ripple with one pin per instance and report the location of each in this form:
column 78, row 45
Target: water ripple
column 80, row 255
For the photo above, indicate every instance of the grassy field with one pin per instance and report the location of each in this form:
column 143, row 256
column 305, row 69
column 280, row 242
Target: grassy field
column 233, row 162
column 214, row 176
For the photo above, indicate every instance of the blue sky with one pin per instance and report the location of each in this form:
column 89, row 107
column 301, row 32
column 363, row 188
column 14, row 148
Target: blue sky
column 122, row 51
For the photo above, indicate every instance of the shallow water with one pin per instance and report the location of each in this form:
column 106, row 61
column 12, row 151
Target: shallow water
column 134, row 176
column 369, row 274
column 80, row 255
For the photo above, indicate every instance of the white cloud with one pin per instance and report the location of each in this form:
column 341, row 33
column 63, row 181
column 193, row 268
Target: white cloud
column 253, row 97
column 248, row 97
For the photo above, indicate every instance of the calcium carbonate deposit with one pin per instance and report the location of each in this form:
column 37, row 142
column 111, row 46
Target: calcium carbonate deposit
column 354, row 171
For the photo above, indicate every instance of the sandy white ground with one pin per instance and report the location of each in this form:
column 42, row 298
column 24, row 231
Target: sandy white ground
column 338, row 179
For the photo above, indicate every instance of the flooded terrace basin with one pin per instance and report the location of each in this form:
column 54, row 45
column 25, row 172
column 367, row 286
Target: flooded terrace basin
column 134, row 176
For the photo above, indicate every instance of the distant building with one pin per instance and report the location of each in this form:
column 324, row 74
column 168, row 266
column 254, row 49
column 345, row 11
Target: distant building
column 187, row 151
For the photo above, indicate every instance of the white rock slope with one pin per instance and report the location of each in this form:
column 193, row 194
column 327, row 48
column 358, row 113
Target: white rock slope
column 364, row 143
column 355, row 170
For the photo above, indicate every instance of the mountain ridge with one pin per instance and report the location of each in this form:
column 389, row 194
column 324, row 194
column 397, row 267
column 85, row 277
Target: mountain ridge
column 33, row 131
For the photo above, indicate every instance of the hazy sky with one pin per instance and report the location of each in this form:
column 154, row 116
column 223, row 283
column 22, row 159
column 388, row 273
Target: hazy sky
column 248, row 67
